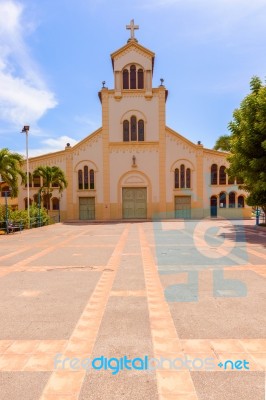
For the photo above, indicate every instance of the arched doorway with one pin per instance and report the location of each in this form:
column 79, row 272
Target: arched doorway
column 213, row 205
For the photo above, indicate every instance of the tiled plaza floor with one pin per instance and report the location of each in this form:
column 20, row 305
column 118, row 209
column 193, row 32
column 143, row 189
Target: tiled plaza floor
column 185, row 297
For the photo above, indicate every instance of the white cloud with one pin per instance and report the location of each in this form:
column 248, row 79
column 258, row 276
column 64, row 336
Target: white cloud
column 23, row 92
column 51, row 145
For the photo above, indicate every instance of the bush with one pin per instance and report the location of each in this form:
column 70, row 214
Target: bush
column 21, row 216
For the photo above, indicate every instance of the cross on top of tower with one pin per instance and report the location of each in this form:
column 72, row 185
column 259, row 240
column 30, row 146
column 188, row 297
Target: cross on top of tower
column 132, row 28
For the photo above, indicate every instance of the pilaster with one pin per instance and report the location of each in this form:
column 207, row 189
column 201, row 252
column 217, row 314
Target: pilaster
column 106, row 161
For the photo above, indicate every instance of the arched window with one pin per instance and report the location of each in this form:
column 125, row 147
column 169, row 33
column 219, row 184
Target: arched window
column 241, row 202
column 6, row 191
column 91, row 179
column 140, row 79
column 188, row 178
column 141, row 130
column 133, row 77
column 80, row 179
column 182, row 176
column 176, row 178
column 125, row 79
column 55, row 203
column 232, row 200
column 231, row 181
column 133, row 126
column 126, row 131
column 222, row 200
column 86, row 177
column 36, row 181
column 214, row 174
column 222, row 175
column 26, row 203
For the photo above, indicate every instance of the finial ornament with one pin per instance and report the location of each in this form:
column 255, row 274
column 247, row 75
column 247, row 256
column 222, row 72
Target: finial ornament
column 103, row 83
column 132, row 28
column 162, row 81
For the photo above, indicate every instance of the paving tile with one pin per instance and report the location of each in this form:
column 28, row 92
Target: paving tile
column 227, row 346
column 13, row 362
column 51, row 346
column 23, row 347
column 260, row 360
column 196, row 346
column 183, row 396
column 65, row 382
column 40, row 362
column 254, row 345
column 170, row 382
column 4, row 344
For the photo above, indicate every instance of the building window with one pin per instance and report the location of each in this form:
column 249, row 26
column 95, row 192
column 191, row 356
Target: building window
column 91, row 179
column 125, row 79
column 140, row 79
column 36, row 198
column 36, row 181
column 133, row 131
column 133, row 126
column 5, row 191
column 231, row 181
column 232, row 200
column 182, row 176
column 86, row 177
column 133, row 77
column 241, row 202
column 55, row 203
column 141, row 130
column 26, row 203
column 222, row 200
column 222, row 175
column 176, row 178
column 80, row 179
column 126, row 131
column 188, row 178
column 214, row 174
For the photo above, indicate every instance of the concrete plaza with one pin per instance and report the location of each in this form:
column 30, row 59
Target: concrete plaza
column 189, row 294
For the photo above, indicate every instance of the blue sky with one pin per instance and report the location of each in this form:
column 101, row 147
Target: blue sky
column 55, row 54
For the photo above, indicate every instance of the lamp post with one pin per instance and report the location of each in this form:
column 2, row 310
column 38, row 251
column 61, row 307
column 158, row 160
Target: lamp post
column 26, row 129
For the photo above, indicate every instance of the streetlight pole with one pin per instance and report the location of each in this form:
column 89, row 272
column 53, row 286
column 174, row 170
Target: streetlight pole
column 26, row 129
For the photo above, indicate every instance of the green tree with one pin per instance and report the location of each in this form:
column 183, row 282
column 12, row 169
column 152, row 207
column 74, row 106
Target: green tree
column 247, row 144
column 53, row 177
column 10, row 169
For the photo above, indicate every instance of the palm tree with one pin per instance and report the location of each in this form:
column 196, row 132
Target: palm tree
column 53, row 177
column 10, row 168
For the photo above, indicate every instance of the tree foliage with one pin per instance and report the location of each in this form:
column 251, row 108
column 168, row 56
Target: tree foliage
column 10, row 169
column 247, row 144
column 53, row 177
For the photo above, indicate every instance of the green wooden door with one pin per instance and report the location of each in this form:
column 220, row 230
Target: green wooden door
column 134, row 203
column 183, row 207
column 86, row 208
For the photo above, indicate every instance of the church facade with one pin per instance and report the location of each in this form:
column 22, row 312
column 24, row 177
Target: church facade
column 134, row 166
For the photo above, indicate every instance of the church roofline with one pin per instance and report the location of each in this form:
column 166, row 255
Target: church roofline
column 132, row 43
column 63, row 152
column 196, row 146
